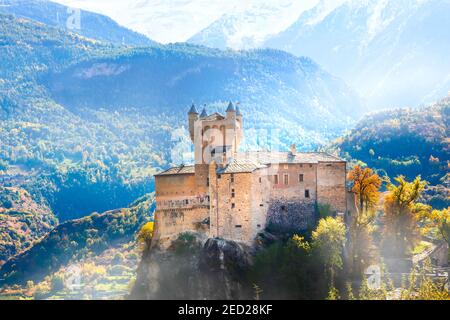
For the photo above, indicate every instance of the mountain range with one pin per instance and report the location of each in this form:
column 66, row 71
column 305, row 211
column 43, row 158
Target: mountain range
column 93, row 116
column 85, row 23
column 394, row 53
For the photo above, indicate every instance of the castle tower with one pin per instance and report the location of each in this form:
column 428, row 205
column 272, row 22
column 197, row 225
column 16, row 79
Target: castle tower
column 216, row 138
column 193, row 116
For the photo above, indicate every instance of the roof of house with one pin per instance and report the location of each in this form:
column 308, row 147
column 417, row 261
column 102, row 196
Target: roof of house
column 193, row 109
column 177, row 170
column 214, row 116
column 240, row 166
column 203, row 114
column 269, row 157
column 251, row 161
column 230, row 107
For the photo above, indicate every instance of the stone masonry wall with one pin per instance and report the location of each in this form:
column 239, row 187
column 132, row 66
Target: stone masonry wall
column 179, row 208
column 331, row 189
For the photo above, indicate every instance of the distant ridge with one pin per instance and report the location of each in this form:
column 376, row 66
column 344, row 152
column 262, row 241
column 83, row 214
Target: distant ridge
column 88, row 24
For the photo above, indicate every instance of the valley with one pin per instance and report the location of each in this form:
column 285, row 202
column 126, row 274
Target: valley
column 88, row 117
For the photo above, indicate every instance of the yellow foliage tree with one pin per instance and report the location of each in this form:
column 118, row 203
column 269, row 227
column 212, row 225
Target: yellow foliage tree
column 441, row 220
column 145, row 235
column 366, row 185
column 329, row 239
column 401, row 214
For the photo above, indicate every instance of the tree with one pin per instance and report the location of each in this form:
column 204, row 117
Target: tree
column 329, row 239
column 366, row 185
column 145, row 235
column 401, row 214
column 441, row 220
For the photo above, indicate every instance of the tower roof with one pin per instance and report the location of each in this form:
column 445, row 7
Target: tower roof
column 230, row 107
column 238, row 111
column 193, row 109
column 203, row 114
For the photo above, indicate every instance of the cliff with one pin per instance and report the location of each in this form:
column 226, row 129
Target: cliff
column 192, row 269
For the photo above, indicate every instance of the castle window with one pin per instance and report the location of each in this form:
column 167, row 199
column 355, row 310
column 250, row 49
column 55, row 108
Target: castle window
column 275, row 179
column 232, row 193
column 258, row 225
column 260, row 180
column 300, row 177
column 283, row 208
column 261, row 205
column 238, row 226
column 233, row 206
column 207, row 182
column 306, row 193
column 286, row 179
column 310, row 165
column 219, row 176
column 232, row 178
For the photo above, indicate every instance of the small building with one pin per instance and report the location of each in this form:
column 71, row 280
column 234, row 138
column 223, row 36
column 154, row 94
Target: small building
column 235, row 195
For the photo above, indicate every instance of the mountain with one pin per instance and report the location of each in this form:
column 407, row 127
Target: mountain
column 406, row 142
column 78, row 239
column 250, row 27
column 178, row 20
column 394, row 53
column 85, row 23
column 22, row 221
column 90, row 122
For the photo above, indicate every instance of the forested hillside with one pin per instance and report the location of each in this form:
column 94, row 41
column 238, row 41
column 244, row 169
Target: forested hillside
column 22, row 221
column 85, row 23
column 88, row 123
column 79, row 239
column 407, row 142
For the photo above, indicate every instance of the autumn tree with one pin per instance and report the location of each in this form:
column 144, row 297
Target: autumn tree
column 329, row 239
column 441, row 220
column 365, row 187
column 145, row 235
column 401, row 214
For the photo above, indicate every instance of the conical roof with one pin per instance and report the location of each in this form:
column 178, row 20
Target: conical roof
column 230, row 107
column 238, row 111
column 193, row 109
column 203, row 114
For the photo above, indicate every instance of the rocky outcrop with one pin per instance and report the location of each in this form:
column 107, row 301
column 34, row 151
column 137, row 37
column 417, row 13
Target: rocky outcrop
column 192, row 269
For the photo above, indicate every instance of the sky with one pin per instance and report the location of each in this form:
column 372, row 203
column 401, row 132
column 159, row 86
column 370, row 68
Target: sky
column 177, row 20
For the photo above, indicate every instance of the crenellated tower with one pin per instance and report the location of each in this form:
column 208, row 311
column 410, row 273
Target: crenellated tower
column 215, row 137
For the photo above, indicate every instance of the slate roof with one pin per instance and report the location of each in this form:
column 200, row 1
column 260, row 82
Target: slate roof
column 240, row 166
column 214, row 116
column 230, row 107
column 267, row 157
column 251, row 161
column 193, row 109
column 177, row 170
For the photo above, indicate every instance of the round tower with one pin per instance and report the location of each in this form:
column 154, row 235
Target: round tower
column 193, row 116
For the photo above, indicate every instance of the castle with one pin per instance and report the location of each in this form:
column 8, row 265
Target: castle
column 236, row 195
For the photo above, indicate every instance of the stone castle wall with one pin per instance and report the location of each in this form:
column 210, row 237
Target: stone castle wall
column 231, row 209
column 331, row 189
column 238, row 206
column 180, row 208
